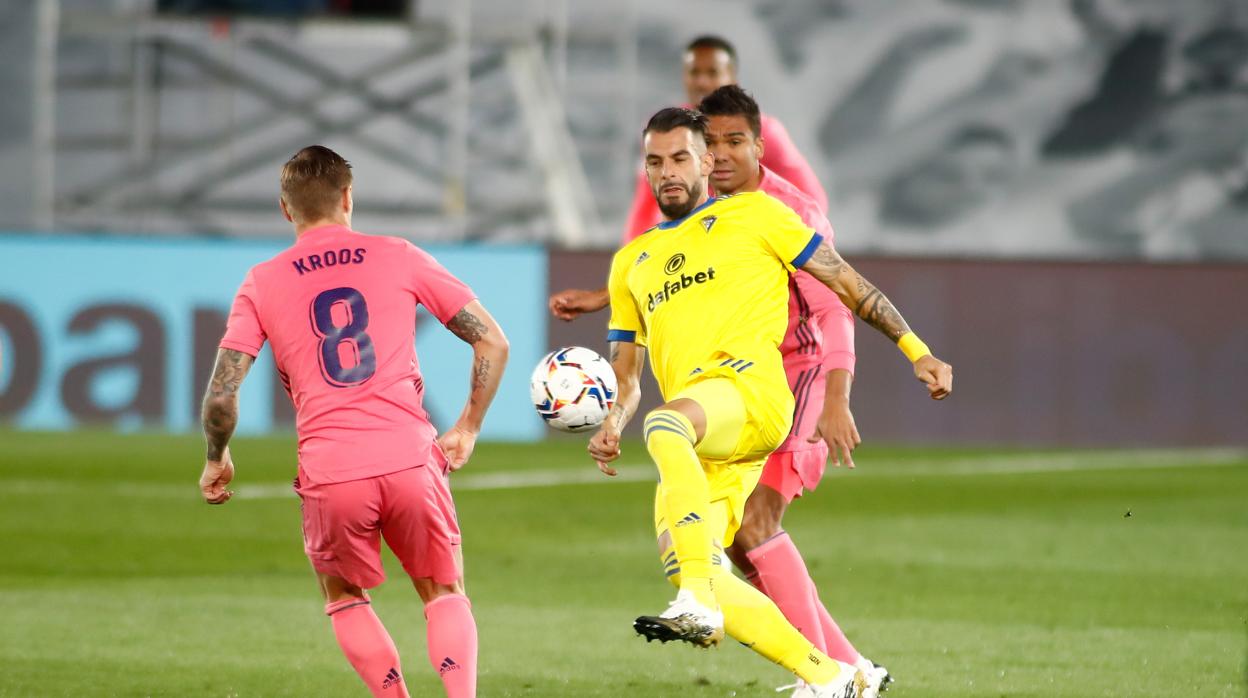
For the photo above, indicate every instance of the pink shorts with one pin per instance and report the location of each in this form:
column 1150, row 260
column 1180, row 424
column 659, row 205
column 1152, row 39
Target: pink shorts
column 791, row 472
column 343, row 524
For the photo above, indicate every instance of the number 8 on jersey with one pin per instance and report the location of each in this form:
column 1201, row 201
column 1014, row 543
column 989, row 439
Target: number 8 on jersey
column 349, row 303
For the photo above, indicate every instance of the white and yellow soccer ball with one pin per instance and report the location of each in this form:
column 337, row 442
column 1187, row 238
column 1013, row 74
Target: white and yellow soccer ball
column 573, row 389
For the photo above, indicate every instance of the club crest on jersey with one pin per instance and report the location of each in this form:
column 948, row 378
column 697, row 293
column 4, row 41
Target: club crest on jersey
column 707, row 222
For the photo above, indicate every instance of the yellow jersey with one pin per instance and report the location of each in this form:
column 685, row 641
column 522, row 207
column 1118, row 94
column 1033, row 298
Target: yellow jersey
column 711, row 289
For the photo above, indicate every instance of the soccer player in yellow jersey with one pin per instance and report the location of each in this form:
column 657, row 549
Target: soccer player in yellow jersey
column 707, row 292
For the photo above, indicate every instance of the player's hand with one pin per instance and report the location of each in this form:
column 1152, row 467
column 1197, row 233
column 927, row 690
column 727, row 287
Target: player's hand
column 569, row 303
column 457, row 443
column 836, row 427
column 604, row 448
column 217, row 474
column 937, row 374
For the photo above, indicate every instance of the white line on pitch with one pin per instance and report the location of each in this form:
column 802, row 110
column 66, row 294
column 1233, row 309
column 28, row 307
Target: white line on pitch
column 918, row 466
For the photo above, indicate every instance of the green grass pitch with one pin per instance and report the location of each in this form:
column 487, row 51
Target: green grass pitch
column 968, row 573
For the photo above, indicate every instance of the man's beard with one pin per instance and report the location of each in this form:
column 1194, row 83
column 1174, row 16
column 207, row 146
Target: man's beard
column 674, row 211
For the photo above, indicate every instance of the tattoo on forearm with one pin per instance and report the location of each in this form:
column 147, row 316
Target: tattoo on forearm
column 827, row 266
column 877, row 311
column 220, row 408
column 480, row 377
column 218, row 427
column 467, row 327
column 619, row 414
column 869, row 302
column 228, row 373
column 827, row 260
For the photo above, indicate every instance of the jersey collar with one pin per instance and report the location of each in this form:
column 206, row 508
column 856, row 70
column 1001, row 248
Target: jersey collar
column 321, row 230
column 668, row 225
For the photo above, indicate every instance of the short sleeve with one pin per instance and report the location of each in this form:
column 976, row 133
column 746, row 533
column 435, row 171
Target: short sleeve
column 243, row 331
column 785, row 234
column 626, row 324
column 435, row 287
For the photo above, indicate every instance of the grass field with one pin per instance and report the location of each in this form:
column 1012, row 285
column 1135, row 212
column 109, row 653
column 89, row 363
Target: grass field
column 969, row 573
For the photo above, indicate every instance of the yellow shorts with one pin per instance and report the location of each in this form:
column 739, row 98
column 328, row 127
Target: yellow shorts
column 748, row 415
column 748, row 412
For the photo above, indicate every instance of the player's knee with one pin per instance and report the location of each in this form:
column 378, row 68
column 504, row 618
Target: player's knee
column 431, row 590
column 338, row 590
column 754, row 531
column 341, row 594
column 444, row 590
column 664, row 424
column 764, row 514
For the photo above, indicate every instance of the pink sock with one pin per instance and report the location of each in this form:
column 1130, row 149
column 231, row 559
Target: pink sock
column 452, row 635
column 783, row 577
column 368, row 646
column 839, row 646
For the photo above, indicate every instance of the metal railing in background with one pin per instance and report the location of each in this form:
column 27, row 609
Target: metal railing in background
column 568, row 196
column 179, row 124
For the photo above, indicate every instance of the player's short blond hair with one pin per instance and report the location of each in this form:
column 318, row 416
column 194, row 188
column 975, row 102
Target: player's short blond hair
column 312, row 182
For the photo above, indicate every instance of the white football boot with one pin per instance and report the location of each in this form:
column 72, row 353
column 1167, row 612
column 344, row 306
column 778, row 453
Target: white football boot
column 877, row 681
column 878, row 677
column 850, row 683
column 685, row 619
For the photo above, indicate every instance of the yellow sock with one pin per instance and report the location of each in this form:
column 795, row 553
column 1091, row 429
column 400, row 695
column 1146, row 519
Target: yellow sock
column 753, row 620
column 685, row 499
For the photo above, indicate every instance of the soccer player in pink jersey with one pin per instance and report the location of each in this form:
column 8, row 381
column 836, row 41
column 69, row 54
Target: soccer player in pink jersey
column 338, row 309
column 710, row 62
column 818, row 351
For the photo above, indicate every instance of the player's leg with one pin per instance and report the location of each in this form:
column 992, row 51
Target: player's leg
column 686, row 618
column 363, row 638
column 752, row 619
column 780, row 571
column 451, row 635
column 420, row 527
column 341, row 538
column 764, row 512
column 770, row 560
column 670, row 433
column 766, row 556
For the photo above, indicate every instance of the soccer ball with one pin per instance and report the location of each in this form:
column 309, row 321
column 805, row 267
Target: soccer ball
column 573, row 388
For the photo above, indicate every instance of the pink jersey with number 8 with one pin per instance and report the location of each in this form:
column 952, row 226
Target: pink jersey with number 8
column 338, row 309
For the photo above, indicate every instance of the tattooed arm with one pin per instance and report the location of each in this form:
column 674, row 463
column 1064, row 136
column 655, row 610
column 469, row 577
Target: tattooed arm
column 858, row 294
column 627, row 359
column 219, row 416
column 477, row 327
column 873, row 307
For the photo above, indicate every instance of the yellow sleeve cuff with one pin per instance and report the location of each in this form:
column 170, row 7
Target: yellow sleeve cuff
column 913, row 347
